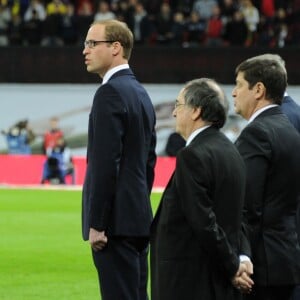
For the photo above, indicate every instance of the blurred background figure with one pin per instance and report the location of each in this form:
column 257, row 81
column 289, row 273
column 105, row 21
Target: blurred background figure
column 58, row 164
column 19, row 138
column 174, row 144
column 252, row 17
column 104, row 12
column 52, row 135
column 5, row 18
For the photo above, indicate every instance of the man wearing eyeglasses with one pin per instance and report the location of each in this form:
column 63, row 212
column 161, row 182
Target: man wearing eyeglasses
column 116, row 214
column 196, row 232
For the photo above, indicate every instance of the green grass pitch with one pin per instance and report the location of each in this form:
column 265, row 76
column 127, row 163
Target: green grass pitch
column 42, row 254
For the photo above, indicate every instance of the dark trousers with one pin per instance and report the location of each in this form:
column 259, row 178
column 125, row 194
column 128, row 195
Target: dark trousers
column 271, row 293
column 122, row 269
column 296, row 293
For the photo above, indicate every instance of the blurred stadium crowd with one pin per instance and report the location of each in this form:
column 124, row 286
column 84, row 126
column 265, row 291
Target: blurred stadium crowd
column 186, row 23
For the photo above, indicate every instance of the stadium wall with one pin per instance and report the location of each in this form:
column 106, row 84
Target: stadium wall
column 151, row 64
column 27, row 170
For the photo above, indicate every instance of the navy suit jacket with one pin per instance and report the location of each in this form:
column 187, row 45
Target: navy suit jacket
column 120, row 159
column 270, row 148
column 292, row 110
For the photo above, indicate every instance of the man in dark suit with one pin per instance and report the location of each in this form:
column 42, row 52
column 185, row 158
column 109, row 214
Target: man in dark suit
column 116, row 214
column 195, row 234
column 270, row 147
column 292, row 110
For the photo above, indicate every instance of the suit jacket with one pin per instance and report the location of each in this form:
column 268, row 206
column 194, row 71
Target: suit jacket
column 196, row 231
column 270, row 148
column 120, row 159
column 292, row 110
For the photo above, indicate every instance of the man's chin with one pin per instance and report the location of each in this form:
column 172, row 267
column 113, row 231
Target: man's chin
column 89, row 69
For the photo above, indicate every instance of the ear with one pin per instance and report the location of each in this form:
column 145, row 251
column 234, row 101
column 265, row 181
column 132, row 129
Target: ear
column 196, row 113
column 260, row 90
column 116, row 48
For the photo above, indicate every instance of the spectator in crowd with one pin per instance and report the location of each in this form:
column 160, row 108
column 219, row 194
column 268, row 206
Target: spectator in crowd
column 15, row 30
column 214, row 30
column 280, row 27
column 163, row 24
column 196, row 232
column 265, row 32
column 116, row 214
column 125, row 12
column 295, row 23
column 35, row 10
column 104, row 12
column 269, row 145
column 228, row 8
column 19, row 138
column 33, row 30
column 55, row 9
column 84, row 8
column 85, row 16
column 52, row 135
column 204, row 8
column 142, row 27
column 195, row 31
column 252, row 18
column 153, row 6
column 267, row 8
column 236, row 30
column 5, row 18
column 178, row 29
column 69, row 26
column 183, row 6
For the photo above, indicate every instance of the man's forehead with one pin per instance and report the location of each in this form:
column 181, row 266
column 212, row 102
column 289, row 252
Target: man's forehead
column 96, row 29
column 240, row 76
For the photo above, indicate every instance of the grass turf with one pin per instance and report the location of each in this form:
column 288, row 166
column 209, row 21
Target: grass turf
column 42, row 254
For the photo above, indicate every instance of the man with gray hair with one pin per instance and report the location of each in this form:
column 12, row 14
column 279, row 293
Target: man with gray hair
column 195, row 235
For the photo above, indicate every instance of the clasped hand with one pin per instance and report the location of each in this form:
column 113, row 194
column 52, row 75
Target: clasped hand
column 97, row 239
column 242, row 279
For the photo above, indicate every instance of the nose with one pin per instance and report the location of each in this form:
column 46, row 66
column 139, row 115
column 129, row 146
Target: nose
column 233, row 93
column 85, row 50
column 174, row 112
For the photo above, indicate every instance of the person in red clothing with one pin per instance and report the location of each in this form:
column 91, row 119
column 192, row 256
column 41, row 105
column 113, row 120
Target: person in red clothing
column 52, row 135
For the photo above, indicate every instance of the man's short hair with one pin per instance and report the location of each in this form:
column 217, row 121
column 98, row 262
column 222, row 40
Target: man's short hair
column 268, row 71
column 206, row 93
column 119, row 32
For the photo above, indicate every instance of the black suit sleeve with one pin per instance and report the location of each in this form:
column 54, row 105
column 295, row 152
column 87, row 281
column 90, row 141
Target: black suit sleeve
column 108, row 126
column 151, row 162
column 254, row 147
column 195, row 184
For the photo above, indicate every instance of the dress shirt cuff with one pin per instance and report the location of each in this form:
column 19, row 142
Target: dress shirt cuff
column 244, row 258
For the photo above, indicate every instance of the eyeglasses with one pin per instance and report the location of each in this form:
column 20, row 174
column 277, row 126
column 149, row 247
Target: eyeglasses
column 177, row 104
column 92, row 44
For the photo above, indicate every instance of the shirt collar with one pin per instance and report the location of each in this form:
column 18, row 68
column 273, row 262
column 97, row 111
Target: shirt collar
column 112, row 71
column 194, row 134
column 258, row 112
